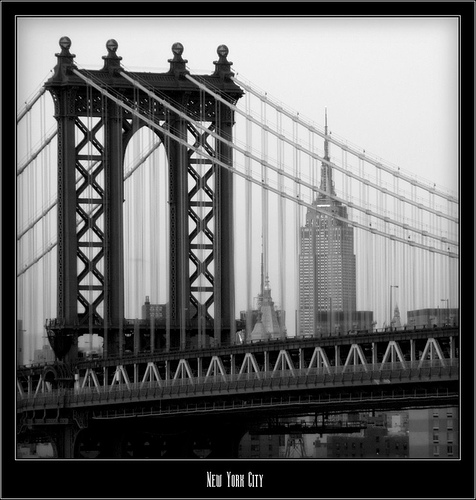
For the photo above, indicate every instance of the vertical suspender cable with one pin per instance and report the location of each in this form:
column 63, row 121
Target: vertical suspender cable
column 264, row 194
column 297, row 222
column 281, row 230
column 249, row 224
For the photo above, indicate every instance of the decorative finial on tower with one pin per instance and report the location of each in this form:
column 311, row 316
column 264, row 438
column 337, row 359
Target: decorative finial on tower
column 112, row 60
column 65, row 45
column 177, row 64
column 65, row 59
column 223, row 66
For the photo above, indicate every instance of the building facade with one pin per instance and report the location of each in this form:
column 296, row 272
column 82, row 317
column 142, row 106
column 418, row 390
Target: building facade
column 386, row 436
column 434, row 433
column 261, row 446
column 327, row 266
column 432, row 316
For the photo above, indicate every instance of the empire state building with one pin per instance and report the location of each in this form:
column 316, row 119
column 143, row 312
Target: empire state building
column 327, row 272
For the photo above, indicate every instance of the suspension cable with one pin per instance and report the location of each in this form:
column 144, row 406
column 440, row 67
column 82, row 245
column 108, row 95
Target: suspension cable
column 291, row 176
column 249, row 177
column 237, row 172
column 296, row 118
column 353, row 151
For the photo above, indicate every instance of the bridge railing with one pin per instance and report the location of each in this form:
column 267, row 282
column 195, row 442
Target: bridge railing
column 308, row 378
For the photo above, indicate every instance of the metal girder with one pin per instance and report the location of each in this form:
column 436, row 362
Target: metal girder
column 283, row 362
column 249, row 365
column 151, row 375
column 216, row 368
column 355, row 355
column 319, row 359
column 392, row 353
column 432, row 351
column 120, row 377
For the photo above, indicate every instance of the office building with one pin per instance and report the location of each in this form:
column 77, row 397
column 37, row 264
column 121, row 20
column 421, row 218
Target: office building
column 327, row 264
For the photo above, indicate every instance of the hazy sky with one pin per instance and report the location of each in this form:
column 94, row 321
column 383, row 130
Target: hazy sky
column 390, row 84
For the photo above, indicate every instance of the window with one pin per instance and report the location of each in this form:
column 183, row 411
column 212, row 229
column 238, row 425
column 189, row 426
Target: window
column 449, row 450
column 435, row 437
column 436, row 450
column 449, row 436
column 449, row 424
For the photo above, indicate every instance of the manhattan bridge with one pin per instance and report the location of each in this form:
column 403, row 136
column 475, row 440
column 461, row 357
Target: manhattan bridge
column 194, row 191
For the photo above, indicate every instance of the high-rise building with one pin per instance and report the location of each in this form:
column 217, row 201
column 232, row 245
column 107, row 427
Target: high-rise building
column 327, row 267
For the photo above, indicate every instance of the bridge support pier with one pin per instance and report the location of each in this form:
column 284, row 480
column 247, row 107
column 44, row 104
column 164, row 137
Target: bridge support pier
column 64, row 441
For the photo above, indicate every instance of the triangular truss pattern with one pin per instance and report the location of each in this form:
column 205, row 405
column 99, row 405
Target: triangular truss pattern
column 249, row 366
column 43, row 385
column 151, row 376
column 183, row 371
column 355, row 355
column 90, row 376
column 319, row 360
column 393, row 354
column 283, row 362
column 120, row 377
column 216, row 369
column 431, row 352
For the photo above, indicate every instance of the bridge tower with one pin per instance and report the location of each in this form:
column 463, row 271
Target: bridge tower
column 93, row 133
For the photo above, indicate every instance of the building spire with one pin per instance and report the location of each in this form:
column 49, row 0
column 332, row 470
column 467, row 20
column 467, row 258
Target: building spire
column 326, row 171
column 326, row 142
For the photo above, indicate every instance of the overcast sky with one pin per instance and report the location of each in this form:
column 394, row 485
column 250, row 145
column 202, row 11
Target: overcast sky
column 390, row 84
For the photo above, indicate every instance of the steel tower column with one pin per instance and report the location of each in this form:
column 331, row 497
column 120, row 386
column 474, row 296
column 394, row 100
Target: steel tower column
column 67, row 284
column 93, row 132
column 224, row 258
column 114, row 247
column 179, row 282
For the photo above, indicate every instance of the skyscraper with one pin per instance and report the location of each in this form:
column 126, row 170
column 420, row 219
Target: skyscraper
column 327, row 273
